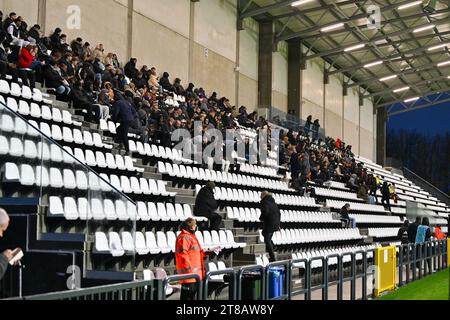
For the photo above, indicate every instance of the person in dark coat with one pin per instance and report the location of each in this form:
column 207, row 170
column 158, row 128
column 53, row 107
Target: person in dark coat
column 130, row 69
column 350, row 222
column 165, row 82
column 206, row 206
column 412, row 230
column 124, row 113
column 403, row 232
column 386, row 196
column 6, row 256
column 270, row 217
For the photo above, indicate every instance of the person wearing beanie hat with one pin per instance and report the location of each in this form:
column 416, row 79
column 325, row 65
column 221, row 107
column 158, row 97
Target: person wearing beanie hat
column 206, row 206
column 270, row 217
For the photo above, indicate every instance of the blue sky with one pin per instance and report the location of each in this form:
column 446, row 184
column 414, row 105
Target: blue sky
column 432, row 120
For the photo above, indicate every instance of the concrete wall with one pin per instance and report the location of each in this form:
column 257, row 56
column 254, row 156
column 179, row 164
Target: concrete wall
column 280, row 78
column 351, row 119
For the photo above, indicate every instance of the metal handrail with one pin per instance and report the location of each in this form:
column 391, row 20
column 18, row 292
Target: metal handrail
column 180, row 277
column 211, row 274
column 91, row 292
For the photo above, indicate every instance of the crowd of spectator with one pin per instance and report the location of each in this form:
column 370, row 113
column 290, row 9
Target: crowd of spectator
column 94, row 80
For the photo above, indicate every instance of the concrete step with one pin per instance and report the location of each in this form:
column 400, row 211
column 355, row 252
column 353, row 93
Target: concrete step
column 182, row 192
column 151, row 175
column 228, row 224
column 238, row 231
column 247, row 239
column 185, row 199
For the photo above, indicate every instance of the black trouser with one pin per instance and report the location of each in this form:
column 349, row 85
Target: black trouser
column 122, row 133
column 28, row 78
column 215, row 221
column 269, row 245
column 189, row 291
column 385, row 201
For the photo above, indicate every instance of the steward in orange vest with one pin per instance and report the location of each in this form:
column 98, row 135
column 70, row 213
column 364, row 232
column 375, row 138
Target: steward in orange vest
column 439, row 234
column 189, row 258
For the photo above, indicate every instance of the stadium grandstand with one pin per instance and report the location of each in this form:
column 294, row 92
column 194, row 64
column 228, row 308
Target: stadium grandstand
column 105, row 124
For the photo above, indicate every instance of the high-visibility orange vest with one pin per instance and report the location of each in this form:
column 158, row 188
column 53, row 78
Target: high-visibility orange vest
column 439, row 234
column 189, row 256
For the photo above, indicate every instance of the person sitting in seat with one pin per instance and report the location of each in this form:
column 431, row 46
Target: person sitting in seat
column 349, row 222
column 206, row 205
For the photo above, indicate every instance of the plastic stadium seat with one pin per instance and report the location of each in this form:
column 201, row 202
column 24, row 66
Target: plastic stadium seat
column 56, row 208
column 97, row 209
column 162, row 212
column 161, row 240
column 16, row 147
column 70, row 209
column 153, row 212
column 56, row 115
column 42, row 177
column 100, row 159
column 35, row 111
column 7, row 123
column 142, row 211
column 140, row 244
column 67, row 117
column 69, row 179
column 88, row 140
column 11, row 172
column 171, row 240
column 121, row 210
column 84, row 209
column 82, row 181
column 151, row 243
column 128, row 243
column 56, row 180
column 111, row 161
column 4, row 87
column 109, row 210
column 24, row 108
column 56, row 153
column 12, row 104
column 27, row 177
column 115, row 245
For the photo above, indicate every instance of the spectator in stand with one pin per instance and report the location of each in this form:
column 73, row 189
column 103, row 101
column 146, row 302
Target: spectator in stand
column 165, row 82
column 349, row 222
column 87, row 51
column 53, row 79
column 393, row 193
column 178, row 88
column 124, row 113
column 206, row 206
column 131, row 70
column 153, row 81
column 385, row 200
column 438, row 234
column 308, row 126
column 353, row 183
column 55, row 38
column 270, row 217
column 15, row 33
column 27, row 60
column 8, row 21
column 83, row 100
column 316, row 129
column 362, row 192
column 373, row 187
column 77, row 47
column 35, row 33
column 139, row 81
column 6, row 67
column 403, row 232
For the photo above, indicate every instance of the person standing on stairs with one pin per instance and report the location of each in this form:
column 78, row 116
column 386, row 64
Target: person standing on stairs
column 270, row 217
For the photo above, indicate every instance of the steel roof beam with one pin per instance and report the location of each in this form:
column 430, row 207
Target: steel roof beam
column 389, row 103
column 371, row 41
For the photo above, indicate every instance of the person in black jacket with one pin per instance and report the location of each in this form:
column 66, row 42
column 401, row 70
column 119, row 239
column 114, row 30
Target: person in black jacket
column 124, row 113
column 206, row 206
column 403, row 232
column 130, row 69
column 270, row 217
column 386, row 196
column 412, row 230
column 350, row 222
column 165, row 82
column 6, row 256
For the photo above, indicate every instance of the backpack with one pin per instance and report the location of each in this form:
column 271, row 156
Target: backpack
column 421, row 234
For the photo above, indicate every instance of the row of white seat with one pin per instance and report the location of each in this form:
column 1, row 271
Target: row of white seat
column 298, row 236
column 308, row 217
column 145, row 149
column 25, row 92
column 189, row 172
column 367, row 218
column 131, row 243
column 122, row 210
column 383, row 232
column 312, row 254
column 355, row 206
column 40, row 176
column 229, row 194
column 31, row 150
column 336, row 194
column 254, row 169
column 66, row 134
column 40, row 112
